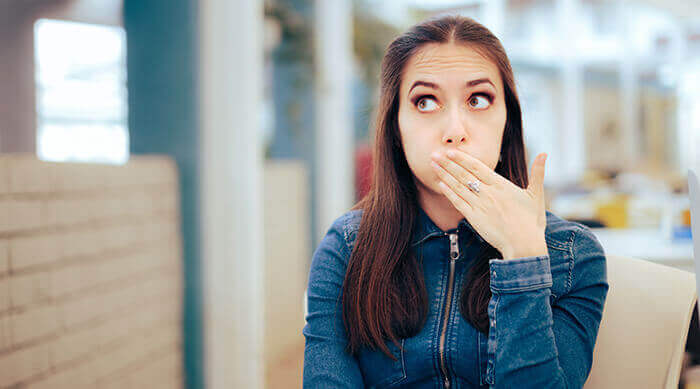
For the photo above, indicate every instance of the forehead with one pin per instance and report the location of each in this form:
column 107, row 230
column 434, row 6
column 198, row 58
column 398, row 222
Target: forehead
column 435, row 61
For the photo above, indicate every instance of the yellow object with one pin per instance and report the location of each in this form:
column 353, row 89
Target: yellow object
column 613, row 212
column 686, row 222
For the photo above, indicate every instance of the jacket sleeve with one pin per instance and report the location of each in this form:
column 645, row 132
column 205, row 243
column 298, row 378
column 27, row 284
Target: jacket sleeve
column 326, row 364
column 532, row 343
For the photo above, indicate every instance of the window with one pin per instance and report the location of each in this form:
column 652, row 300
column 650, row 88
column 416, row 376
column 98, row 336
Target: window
column 81, row 92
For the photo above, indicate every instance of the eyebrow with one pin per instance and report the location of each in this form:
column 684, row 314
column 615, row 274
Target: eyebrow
column 435, row 86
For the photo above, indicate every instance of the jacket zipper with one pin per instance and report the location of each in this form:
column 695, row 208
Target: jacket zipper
column 454, row 255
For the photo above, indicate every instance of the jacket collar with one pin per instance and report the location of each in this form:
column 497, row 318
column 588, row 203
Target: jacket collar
column 425, row 228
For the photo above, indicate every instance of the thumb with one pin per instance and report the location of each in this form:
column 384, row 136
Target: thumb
column 537, row 175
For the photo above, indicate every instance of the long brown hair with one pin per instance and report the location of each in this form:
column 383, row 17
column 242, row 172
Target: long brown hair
column 384, row 293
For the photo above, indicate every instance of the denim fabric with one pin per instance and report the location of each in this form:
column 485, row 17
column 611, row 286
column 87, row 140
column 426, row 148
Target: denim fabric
column 544, row 314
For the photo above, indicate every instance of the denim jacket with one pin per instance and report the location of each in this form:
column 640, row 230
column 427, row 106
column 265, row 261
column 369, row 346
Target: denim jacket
column 544, row 314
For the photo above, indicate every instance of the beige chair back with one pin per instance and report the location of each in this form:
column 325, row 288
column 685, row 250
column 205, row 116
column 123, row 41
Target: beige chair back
column 645, row 323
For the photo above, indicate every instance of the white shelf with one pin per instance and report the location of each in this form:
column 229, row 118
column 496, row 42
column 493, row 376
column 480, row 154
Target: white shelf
column 647, row 243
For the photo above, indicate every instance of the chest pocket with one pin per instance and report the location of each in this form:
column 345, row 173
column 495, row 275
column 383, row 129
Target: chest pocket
column 380, row 371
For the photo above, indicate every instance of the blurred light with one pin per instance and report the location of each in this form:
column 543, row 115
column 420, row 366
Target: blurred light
column 667, row 75
column 81, row 92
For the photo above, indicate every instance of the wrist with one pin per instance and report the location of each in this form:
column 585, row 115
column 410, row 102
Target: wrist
column 534, row 251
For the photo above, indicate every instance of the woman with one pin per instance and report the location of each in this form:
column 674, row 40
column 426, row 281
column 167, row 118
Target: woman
column 450, row 272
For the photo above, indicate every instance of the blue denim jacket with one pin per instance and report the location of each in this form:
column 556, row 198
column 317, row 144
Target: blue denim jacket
column 544, row 314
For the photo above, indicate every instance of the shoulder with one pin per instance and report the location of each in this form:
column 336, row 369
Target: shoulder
column 340, row 235
column 569, row 235
column 347, row 225
column 331, row 257
column 576, row 244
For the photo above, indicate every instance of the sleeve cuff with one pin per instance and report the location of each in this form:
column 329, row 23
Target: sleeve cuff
column 520, row 274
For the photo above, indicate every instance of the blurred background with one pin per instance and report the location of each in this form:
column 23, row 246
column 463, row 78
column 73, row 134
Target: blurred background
column 167, row 168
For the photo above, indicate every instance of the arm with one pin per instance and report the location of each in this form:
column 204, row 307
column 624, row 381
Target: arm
column 326, row 364
column 532, row 343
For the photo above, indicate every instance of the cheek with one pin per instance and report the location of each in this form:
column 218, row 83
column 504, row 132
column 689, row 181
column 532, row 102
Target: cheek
column 490, row 150
column 417, row 146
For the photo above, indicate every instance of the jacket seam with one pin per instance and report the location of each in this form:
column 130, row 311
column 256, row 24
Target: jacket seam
column 478, row 346
column 527, row 288
column 556, row 244
column 495, row 340
column 403, row 361
column 346, row 237
column 572, row 261
column 423, row 239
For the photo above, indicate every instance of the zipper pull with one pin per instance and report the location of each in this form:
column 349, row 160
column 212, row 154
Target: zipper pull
column 454, row 247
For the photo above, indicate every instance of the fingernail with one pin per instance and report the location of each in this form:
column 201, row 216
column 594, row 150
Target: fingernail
column 450, row 153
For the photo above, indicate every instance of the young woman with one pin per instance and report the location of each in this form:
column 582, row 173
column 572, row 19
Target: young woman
column 450, row 272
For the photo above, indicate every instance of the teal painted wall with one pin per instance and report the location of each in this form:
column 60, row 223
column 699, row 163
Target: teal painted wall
column 163, row 118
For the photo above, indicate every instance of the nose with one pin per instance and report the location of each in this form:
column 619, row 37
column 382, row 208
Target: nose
column 456, row 138
column 455, row 132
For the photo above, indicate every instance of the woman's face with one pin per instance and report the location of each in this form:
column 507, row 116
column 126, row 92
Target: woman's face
column 450, row 97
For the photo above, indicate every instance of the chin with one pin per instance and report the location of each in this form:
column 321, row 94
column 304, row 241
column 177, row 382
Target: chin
column 432, row 189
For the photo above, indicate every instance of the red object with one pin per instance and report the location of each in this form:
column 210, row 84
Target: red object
column 363, row 170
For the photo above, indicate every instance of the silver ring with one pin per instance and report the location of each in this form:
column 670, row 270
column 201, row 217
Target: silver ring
column 474, row 186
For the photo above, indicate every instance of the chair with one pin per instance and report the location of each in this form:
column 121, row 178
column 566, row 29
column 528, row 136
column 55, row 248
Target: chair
column 642, row 335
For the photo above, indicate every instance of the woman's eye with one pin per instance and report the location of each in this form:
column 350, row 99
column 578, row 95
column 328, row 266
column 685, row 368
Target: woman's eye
column 425, row 103
column 480, row 101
